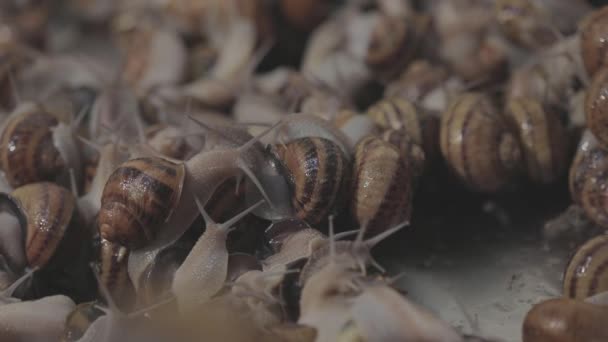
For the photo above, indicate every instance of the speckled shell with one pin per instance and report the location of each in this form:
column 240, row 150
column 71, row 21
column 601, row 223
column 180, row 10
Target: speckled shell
column 587, row 272
column 596, row 104
column 382, row 185
column 476, row 144
column 590, row 158
column 318, row 172
column 49, row 210
column 542, row 136
column 565, row 320
column 594, row 40
column 113, row 272
column 27, row 152
column 411, row 152
column 140, row 195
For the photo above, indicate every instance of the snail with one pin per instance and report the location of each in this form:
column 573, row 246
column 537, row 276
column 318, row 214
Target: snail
column 318, row 172
column 595, row 99
column 477, row 144
column 586, row 274
column 35, row 147
column 590, row 158
column 417, row 81
column 204, row 271
column 79, row 320
column 113, row 272
column 542, row 136
column 382, row 185
column 593, row 32
column 565, row 320
column 410, row 151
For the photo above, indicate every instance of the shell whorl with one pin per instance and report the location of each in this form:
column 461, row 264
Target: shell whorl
column 317, row 171
column 596, row 103
column 590, row 158
column 587, row 272
column 140, row 195
column 593, row 43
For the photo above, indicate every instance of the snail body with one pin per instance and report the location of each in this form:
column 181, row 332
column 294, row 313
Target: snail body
column 476, row 143
column 318, row 171
column 586, row 274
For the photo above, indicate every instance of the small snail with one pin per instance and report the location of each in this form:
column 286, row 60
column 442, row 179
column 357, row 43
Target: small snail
column 595, row 103
column 587, row 274
column 318, row 172
column 35, row 147
column 593, row 33
column 542, row 136
column 565, row 320
column 476, row 143
column 382, row 185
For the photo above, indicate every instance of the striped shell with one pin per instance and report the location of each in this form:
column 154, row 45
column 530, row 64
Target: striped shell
column 411, row 152
column 596, row 104
column 113, row 272
column 317, row 171
column 397, row 113
column 543, row 138
column 476, row 144
column 49, row 210
column 593, row 40
column 587, row 272
column 590, row 158
column 382, row 185
column 27, row 152
column 140, row 195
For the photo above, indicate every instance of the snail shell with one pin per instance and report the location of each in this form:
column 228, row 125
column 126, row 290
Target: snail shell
column 522, row 22
column 27, row 151
column 543, row 138
column 140, row 195
column 317, row 170
column 397, row 113
column 593, row 43
column 382, row 185
column 476, row 144
column 565, row 320
column 590, row 158
column 587, row 272
column 595, row 106
column 79, row 320
column 114, row 274
column 410, row 151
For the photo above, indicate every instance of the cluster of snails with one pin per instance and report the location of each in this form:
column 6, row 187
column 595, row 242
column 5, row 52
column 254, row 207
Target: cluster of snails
column 184, row 174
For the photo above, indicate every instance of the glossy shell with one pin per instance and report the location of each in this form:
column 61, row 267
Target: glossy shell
column 411, row 152
column 27, row 152
column 382, row 185
column 140, row 195
column 397, row 113
column 596, row 106
column 317, row 171
column 594, row 42
column 476, row 144
column 590, row 159
column 542, row 136
column 587, row 272
column 594, row 197
column 49, row 210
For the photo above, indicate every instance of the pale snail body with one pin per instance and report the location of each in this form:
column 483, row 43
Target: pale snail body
column 476, row 144
column 296, row 246
column 565, row 320
column 542, row 136
column 593, row 32
column 587, row 274
column 382, row 185
column 318, row 172
column 29, row 151
column 590, row 158
column 595, row 104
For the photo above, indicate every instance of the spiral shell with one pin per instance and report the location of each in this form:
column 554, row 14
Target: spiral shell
column 50, row 215
column 596, row 103
column 411, row 152
column 317, row 170
column 590, row 158
column 382, row 185
column 543, row 138
column 140, row 195
column 476, row 143
column 27, row 152
column 522, row 22
column 587, row 272
column 593, row 34
column 397, row 113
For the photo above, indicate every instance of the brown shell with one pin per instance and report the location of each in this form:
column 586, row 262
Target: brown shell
column 587, row 272
column 594, row 197
column 397, row 113
column 49, row 210
column 304, row 15
column 113, row 273
column 382, row 185
column 392, row 44
column 565, row 320
column 411, row 152
column 27, row 152
column 590, row 159
column 318, row 171
column 476, row 143
column 140, row 195
column 542, row 136
column 593, row 39
column 523, row 23
column 596, row 104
